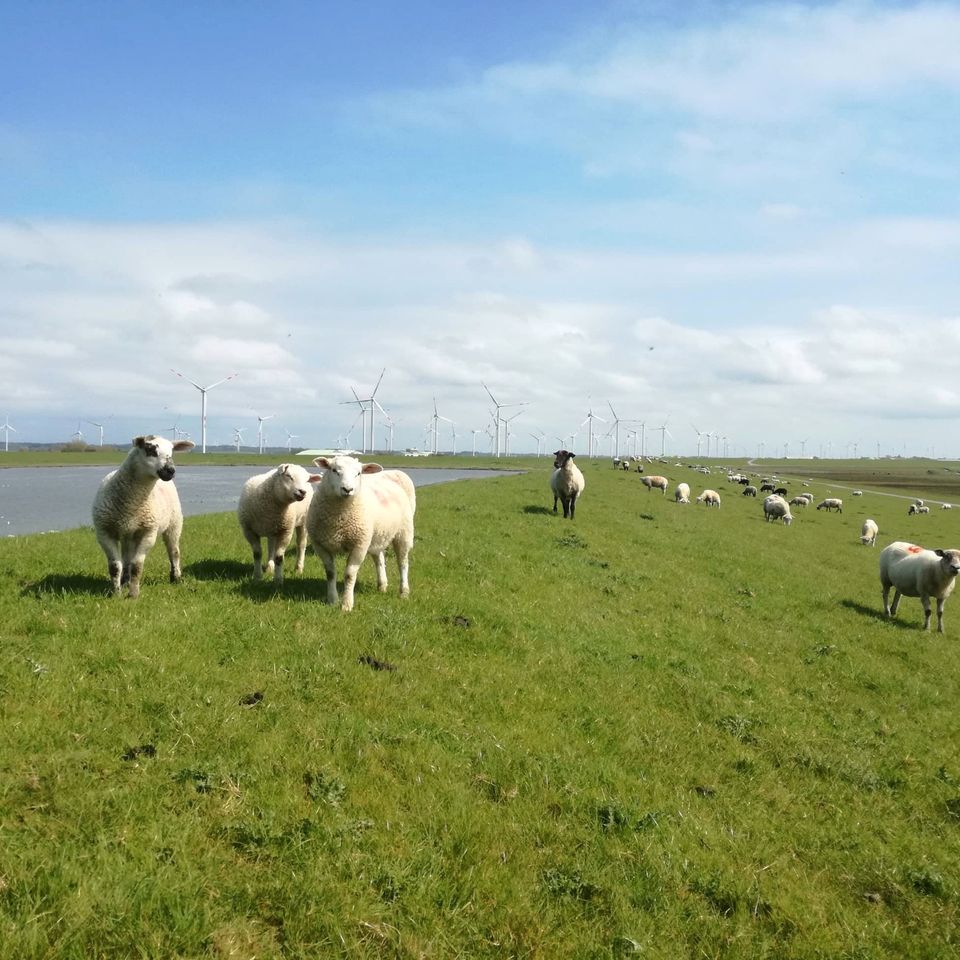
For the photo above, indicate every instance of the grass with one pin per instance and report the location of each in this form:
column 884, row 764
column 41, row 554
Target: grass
column 659, row 731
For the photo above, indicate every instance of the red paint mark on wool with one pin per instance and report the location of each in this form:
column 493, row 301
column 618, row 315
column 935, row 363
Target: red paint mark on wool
column 914, row 549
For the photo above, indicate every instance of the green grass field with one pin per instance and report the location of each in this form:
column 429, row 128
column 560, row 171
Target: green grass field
column 658, row 731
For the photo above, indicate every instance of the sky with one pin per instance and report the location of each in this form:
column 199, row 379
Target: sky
column 736, row 223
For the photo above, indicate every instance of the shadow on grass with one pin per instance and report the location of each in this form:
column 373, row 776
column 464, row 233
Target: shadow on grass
column 876, row 613
column 219, row 570
column 294, row 588
column 68, row 583
column 544, row 510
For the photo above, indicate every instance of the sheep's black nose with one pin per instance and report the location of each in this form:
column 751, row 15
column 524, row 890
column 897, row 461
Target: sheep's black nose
column 166, row 473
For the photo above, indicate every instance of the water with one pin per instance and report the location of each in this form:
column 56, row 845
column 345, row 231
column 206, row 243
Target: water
column 47, row 499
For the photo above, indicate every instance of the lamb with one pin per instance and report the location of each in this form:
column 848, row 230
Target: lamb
column 682, row 493
column 857, row 493
column 916, row 572
column 131, row 509
column 946, row 506
column 750, row 491
column 274, row 505
column 660, row 483
column 566, row 482
column 807, row 496
column 360, row 509
column 914, row 508
column 868, row 533
column 776, row 508
column 799, row 501
column 831, row 503
column 710, row 497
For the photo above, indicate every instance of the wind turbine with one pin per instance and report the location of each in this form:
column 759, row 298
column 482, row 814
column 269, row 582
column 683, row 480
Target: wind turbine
column 93, row 423
column 203, row 403
column 803, row 448
column 475, row 432
column 498, row 419
column 700, row 437
column 7, row 427
column 434, row 424
column 290, row 438
column 238, row 436
column 663, row 436
column 591, row 416
column 260, row 422
column 373, row 402
column 506, row 428
column 78, row 436
column 615, row 430
column 539, row 440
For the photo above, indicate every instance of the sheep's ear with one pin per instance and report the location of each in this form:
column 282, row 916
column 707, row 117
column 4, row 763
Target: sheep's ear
column 371, row 468
column 139, row 442
column 284, row 468
column 315, row 478
column 184, row 445
column 321, row 462
column 571, row 456
column 939, row 553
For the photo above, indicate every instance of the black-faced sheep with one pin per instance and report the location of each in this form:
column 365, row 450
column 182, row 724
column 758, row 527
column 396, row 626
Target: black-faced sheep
column 831, row 503
column 566, row 482
column 913, row 571
column 134, row 505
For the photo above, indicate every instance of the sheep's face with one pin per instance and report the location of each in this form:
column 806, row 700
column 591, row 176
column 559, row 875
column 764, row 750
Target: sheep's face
column 560, row 458
column 342, row 474
column 949, row 561
column 294, row 482
column 156, row 455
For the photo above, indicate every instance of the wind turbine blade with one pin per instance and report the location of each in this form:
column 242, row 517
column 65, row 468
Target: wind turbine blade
column 614, row 412
column 182, row 377
column 217, row 384
column 377, row 387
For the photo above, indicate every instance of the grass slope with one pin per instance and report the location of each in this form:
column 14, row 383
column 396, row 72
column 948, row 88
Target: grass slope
column 658, row 730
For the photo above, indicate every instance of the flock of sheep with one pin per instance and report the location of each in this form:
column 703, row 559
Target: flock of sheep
column 352, row 508
column 360, row 509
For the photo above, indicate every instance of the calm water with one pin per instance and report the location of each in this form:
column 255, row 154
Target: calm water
column 45, row 499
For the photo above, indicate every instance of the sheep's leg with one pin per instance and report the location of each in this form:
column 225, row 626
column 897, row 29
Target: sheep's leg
column 402, row 550
column 171, row 540
column 254, row 542
column 573, row 505
column 566, row 506
column 111, row 549
column 555, row 498
column 278, row 549
column 301, row 548
column 925, row 600
column 381, row 562
column 326, row 558
column 940, row 603
column 896, row 602
column 138, row 550
column 354, row 560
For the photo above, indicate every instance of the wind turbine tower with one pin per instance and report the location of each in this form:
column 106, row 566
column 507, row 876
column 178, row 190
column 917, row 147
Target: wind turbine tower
column 290, row 438
column 7, row 427
column 591, row 416
column 203, row 403
column 498, row 419
column 434, row 425
column 100, row 427
column 370, row 403
column 260, row 422
column 238, row 436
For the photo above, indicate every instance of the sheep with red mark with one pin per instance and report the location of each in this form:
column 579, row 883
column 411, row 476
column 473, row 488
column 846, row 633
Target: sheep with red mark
column 566, row 482
column 914, row 571
column 274, row 505
column 134, row 505
column 360, row 509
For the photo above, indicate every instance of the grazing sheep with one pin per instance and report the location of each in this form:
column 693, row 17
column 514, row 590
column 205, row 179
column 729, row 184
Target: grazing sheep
column 767, row 487
column 682, row 493
column 857, row 493
column 868, row 533
column 916, row 572
column 131, row 509
column 274, row 505
column 946, row 506
column 710, row 497
column 919, row 501
column 807, row 496
column 831, row 503
column 660, row 483
column 360, row 509
column 914, row 508
column 750, row 491
column 776, row 508
column 799, row 501
column 566, row 482
column 780, row 491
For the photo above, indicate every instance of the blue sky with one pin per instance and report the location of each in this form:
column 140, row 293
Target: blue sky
column 739, row 216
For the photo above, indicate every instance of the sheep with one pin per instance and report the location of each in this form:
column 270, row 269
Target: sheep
column 831, row 503
column 767, row 487
column 799, row 501
column 914, row 508
column 807, row 496
column 781, row 491
column 682, row 493
column 660, row 483
column 919, row 501
column 360, row 509
column 916, row 572
column 868, row 533
column 274, row 505
column 776, row 508
column 750, row 491
column 857, row 493
column 566, row 482
column 946, row 506
column 710, row 497
column 131, row 509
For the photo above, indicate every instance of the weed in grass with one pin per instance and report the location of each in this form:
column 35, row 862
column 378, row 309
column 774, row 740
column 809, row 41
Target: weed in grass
column 322, row 788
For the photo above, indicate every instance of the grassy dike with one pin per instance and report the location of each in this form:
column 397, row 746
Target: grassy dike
column 659, row 731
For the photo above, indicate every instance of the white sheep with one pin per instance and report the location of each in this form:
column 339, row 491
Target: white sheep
column 710, row 497
column 946, row 506
column 274, row 505
column 131, row 509
column 868, row 533
column 682, row 493
column 857, row 493
column 776, row 508
column 799, row 501
column 655, row 482
column 915, row 508
column 916, row 572
column 360, row 509
column 566, row 482
column 831, row 503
